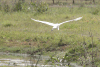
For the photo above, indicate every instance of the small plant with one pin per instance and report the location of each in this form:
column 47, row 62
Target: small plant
column 72, row 51
column 35, row 39
column 27, row 39
column 7, row 25
column 90, row 46
column 61, row 43
column 95, row 12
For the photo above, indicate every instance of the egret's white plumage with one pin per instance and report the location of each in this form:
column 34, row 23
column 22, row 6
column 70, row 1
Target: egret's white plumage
column 56, row 25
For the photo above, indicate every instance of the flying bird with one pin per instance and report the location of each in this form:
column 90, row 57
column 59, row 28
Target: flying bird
column 56, row 26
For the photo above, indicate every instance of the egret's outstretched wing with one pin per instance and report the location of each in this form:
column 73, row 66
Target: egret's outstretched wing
column 48, row 23
column 71, row 20
column 77, row 18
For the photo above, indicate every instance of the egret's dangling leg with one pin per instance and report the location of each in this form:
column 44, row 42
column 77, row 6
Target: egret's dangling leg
column 58, row 27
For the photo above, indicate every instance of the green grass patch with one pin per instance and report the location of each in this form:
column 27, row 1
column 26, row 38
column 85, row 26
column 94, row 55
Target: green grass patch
column 18, row 26
column 18, row 30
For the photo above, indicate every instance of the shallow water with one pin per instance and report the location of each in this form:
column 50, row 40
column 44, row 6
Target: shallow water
column 18, row 62
column 27, row 62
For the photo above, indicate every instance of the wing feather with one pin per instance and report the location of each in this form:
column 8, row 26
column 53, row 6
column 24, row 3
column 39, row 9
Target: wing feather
column 71, row 20
column 48, row 23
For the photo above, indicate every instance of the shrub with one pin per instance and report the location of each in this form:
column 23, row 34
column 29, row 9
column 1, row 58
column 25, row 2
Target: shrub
column 5, row 7
column 18, row 6
column 95, row 11
column 9, row 7
column 41, row 7
column 24, row 7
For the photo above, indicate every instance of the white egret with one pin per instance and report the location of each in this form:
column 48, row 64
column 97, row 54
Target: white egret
column 56, row 26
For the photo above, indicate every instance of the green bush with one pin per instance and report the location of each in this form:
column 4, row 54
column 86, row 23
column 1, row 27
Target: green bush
column 24, row 7
column 9, row 8
column 95, row 11
column 18, row 6
column 41, row 7
column 5, row 7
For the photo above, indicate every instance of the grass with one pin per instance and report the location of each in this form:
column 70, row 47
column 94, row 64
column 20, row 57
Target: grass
column 9, row 56
column 18, row 30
